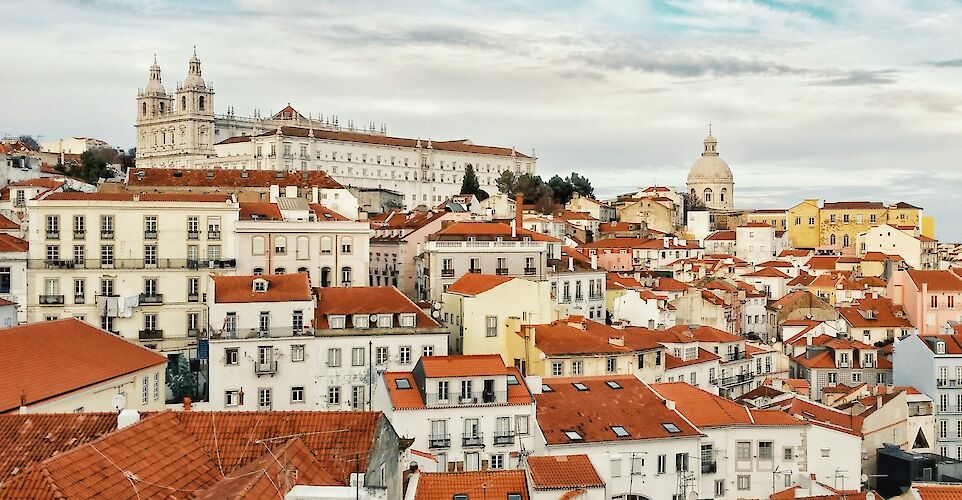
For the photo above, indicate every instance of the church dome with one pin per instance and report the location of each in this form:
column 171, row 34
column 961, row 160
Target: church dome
column 153, row 84
column 193, row 73
column 710, row 167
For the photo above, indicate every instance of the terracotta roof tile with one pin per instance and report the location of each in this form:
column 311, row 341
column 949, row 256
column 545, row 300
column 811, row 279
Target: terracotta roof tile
column 872, row 312
column 6, row 223
column 280, row 288
column 705, row 409
column 260, row 211
column 933, row 491
column 465, row 229
column 593, row 413
column 463, row 365
column 563, row 472
column 768, row 272
column 323, row 213
column 491, row 484
column 168, row 177
column 475, row 284
column 366, row 300
column 822, row 262
column 853, row 205
column 937, row 281
column 53, row 358
column 10, row 243
column 143, row 197
column 671, row 362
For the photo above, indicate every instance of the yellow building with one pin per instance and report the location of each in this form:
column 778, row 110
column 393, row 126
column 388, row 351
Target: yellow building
column 776, row 218
column 836, row 225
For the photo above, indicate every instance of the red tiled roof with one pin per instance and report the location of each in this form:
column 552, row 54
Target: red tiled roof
column 592, row 413
column 169, row 177
column 937, row 281
column 705, row 409
column 33, row 437
column 822, row 262
column 44, row 182
column 323, row 213
column 724, row 235
column 614, row 280
column 670, row 285
column 768, row 272
column 776, row 263
column 143, row 197
column 794, row 253
column 704, row 334
column 797, row 295
column 803, row 279
column 884, row 314
column 640, row 243
column 280, row 288
column 563, row 472
column 366, row 300
column 260, row 211
column 474, row 283
column 6, row 223
column 756, row 224
column 833, row 281
column 10, row 243
column 410, row 399
column 466, row 228
column 610, row 227
column 50, row 359
column 558, row 338
column 491, row 484
column 853, row 205
column 704, row 356
column 813, row 412
column 934, row 491
column 463, row 365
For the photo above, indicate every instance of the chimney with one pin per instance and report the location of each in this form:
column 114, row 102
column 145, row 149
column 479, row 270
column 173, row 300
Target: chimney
column 314, row 195
column 290, row 191
column 275, row 193
column 571, row 263
column 534, row 384
column 594, row 261
column 518, row 204
column 186, row 403
column 127, row 417
column 617, row 341
column 878, row 402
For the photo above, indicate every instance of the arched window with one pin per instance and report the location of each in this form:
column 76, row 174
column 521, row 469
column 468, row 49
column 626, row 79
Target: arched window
column 303, row 270
column 279, row 270
column 721, row 195
column 346, row 276
column 831, row 240
column 347, row 244
column 693, row 193
column 326, row 245
column 258, row 271
column 144, row 107
column 183, row 103
column 161, row 107
column 200, row 103
column 707, row 197
column 325, row 277
column 258, row 245
column 845, row 240
column 280, row 245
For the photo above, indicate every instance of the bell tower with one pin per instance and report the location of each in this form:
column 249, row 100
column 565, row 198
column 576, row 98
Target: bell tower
column 154, row 111
column 195, row 112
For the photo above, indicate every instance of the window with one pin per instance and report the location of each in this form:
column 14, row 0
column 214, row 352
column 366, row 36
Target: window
column 107, row 287
column 744, row 482
column 407, row 320
column 144, row 391
column 744, row 450
column 107, row 226
column 193, row 228
column 670, row 427
column 357, row 397
column 280, row 245
column 826, row 452
column 264, row 398
column 443, row 390
column 662, row 464
column 491, row 326
column 466, row 392
column 766, row 450
column 788, row 454
column 611, row 364
column 150, row 286
column 577, row 367
column 402, row 383
column 832, row 378
column 521, row 425
column 572, row 435
column 193, row 289
column 264, row 321
column 326, row 245
column 334, row 357
column 427, row 350
column 79, row 289
column 150, row 226
column 53, row 226
column 619, row 431
column 346, row 275
column 297, row 353
column 106, row 255
column 346, row 245
column 231, row 398
column 719, row 488
column 616, row 467
column 357, row 356
column 213, row 228
column 557, row 368
column 156, row 386
column 380, row 355
column 297, row 394
column 497, row 462
column 150, row 322
column 405, row 354
column 333, row 395
column 53, row 252
column 681, row 462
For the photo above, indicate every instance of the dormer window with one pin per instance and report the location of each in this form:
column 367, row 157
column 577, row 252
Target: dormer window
column 336, row 321
column 407, row 320
column 260, row 285
column 384, row 321
column 940, row 347
column 360, row 321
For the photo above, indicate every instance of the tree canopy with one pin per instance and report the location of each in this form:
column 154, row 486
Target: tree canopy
column 544, row 196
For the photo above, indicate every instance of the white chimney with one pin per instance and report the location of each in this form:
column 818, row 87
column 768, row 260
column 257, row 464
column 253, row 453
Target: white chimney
column 290, row 191
column 594, row 261
column 275, row 193
column 314, row 195
column 127, row 417
column 534, row 384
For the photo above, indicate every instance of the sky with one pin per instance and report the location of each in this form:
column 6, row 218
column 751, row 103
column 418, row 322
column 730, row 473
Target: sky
column 837, row 100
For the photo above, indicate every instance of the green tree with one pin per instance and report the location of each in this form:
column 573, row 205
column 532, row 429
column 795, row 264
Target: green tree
column 470, row 184
column 506, row 182
column 536, row 192
column 561, row 189
column 694, row 203
column 180, row 380
column 482, row 195
column 93, row 165
column 30, row 142
column 581, row 184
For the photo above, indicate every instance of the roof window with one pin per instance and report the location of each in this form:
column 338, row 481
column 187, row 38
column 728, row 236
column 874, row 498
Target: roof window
column 613, row 384
column 670, row 427
column 402, row 383
column 573, row 435
column 581, row 387
column 940, row 347
column 546, row 388
column 512, row 380
column 619, row 431
column 260, row 285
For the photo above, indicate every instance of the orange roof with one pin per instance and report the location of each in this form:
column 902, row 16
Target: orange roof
column 615, row 280
column 704, row 334
column 470, row 228
column 872, row 312
column 670, row 285
column 671, row 362
column 639, row 243
column 610, row 227
column 34, row 437
column 833, row 281
column 937, row 281
column 563, row 472
column 210, row 455
column 366, row 300
column 322, row 213
column 482, row 484
column 558, row 338
column 260, row 211
column 44, row 182
column 144, row 197
column 813, row 412
column 776, row 263
column 10, row 243
column 6, row 223
column 853, row 205
column 411, row 398
column 822, row 262
column 724, row 235
column 768, row 272
column 756, row 224
column 803, row 279
column 467, row 365
column 794, row 253
column 593, row 412
column 935, row 491
column 705, row 409
column 475, row 284
column 168, row 177
column 50, row 359
column 280, row 288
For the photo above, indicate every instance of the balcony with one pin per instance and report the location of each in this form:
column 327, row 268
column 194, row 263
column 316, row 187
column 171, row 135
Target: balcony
column 150, row 235
column 949, row 382
column 734, row 380
column 151, row 298
column 79, row 235
column 472, row 440
column 78, row 299
column 440, row 441
column 473, row 398
column 193, row 235
column 213, row 235
column 268, row 368
column 53, row 235
column 193, row 297
column 474, row 270
column 151, row 335
column 106, row 235
column 502, row 438
column 709, row 467
column 259, row 333
column 529, row 271
column 132, row 264
column 501, row 271
column 447, row 273
column 51, row 300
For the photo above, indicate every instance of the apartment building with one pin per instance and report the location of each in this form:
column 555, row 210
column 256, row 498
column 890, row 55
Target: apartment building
column 918, row 251
column 830, row 361
column 135, row 265
column 463, row 413
column 755, row 242
column 836, row 225
column 482, row 247
column 930, row 298
column 577, row 284
column 932, row 364
column 627, row 254
column 14, row 253
column 875, row 319
column 290, row 235
column 304, row 352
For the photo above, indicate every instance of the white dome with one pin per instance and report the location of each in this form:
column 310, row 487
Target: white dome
column 153, row 84
column 710, row 169
column 193, row 73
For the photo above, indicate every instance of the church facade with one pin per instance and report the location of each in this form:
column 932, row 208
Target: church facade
column 710, row 179
column 181, row 130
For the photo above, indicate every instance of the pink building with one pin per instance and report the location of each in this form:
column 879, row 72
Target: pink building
column 930, row 298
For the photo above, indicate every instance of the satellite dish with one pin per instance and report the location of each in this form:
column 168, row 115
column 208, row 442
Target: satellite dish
column 864, row 478
column 692, row 495
column 436, row 304
column 119, row 402
column 373, row 317
column 436, row 314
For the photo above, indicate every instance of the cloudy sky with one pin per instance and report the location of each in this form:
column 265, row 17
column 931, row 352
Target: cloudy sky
column 835, row 100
